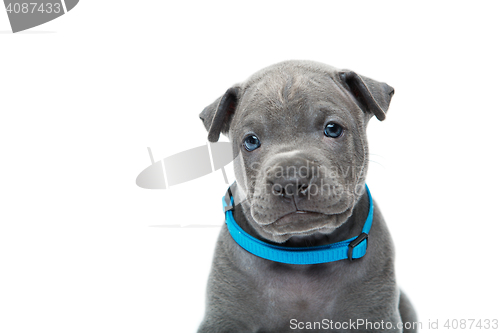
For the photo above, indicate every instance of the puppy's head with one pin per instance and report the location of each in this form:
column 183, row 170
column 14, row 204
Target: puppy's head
column 298, row 132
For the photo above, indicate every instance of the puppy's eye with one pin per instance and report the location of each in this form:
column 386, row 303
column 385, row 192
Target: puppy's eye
column 333, row 130
column 251, row 142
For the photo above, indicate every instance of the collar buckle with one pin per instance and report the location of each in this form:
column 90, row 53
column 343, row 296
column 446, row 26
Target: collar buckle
column 355, row 243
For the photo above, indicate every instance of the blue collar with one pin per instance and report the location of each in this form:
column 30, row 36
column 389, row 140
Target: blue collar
column 352, row 248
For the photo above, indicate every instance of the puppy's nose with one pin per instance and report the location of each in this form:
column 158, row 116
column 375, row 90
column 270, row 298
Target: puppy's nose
column 290, row 179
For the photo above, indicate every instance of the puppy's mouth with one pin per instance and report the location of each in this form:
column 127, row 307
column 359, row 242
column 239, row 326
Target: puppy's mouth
column 298, row 222
column 297, row 216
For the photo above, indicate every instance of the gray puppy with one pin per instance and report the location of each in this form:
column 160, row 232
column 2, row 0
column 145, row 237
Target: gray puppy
column 298, row 133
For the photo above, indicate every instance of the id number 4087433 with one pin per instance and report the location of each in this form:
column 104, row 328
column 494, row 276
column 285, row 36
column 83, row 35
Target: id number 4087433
column 471, row 324
column 33, row 7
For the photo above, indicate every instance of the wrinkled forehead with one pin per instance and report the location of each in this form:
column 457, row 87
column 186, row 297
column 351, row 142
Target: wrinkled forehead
column 290, row 99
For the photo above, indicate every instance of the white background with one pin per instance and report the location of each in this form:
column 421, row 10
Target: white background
column 82, row 97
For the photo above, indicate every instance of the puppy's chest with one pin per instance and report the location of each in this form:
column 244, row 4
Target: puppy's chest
column 290, row 296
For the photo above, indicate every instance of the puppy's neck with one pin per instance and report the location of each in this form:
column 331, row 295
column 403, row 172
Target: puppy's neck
column 350, row 228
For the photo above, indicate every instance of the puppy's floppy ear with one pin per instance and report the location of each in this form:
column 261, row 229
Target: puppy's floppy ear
column 217, row 116
column 374, row 96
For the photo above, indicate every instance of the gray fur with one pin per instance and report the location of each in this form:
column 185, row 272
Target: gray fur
column 287, row 105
